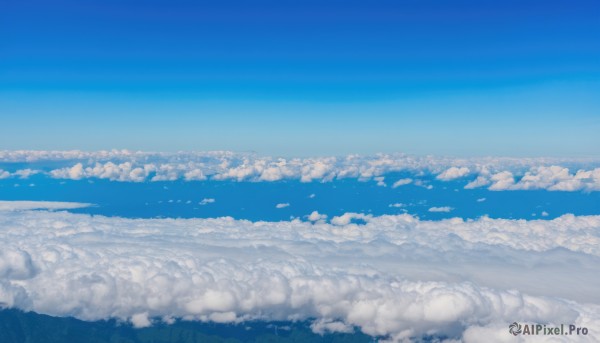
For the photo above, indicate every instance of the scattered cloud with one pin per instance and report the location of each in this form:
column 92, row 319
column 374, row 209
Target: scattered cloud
column 282, row 205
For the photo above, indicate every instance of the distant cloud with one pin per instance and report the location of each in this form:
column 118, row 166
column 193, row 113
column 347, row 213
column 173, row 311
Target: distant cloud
column 127, row 166
column 481, row 199
column 402, row 182
column 440, row 209
column 26, row 173
column 380, row 181
column 4, row 174
column 397, row 205
column 282, row 205
column 206, row 201
column 453, row 173
column 40, row 205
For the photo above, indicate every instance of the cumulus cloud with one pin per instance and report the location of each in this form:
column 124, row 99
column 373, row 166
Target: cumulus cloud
column 394, row 277
column 282, row 205
column 315, row 216
column 440, row 209
column 136, row 166
column 453, row 173
column 552, row 178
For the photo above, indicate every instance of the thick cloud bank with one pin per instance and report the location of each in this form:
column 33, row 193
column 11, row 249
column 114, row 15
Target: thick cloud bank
column 494, row 173
column 394, row 277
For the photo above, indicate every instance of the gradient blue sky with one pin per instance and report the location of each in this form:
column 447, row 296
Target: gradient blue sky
column 302, row 77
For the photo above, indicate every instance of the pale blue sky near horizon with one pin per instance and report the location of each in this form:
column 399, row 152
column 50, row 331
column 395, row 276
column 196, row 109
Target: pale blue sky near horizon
column 301, row 78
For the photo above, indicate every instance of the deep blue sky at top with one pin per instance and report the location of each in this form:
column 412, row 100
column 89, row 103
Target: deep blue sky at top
column 302, row 77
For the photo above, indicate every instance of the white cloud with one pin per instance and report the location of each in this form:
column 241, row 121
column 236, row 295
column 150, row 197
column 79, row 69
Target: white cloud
column 4, row 174
column 481, row 199
column 394, row 276
column 40, row 205
column 136, row 166
column 552, row 178
column 453, row 173
column 25, row 173
column 316, row 216
column 402, row 182
column 397, row 205
column 348, row 217
column 206, row 201
column 380, row 181
column 440, row 209
column 282, row 205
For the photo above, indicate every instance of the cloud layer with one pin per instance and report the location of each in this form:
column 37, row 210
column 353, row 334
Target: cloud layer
column 494, row 173
column 392, row 276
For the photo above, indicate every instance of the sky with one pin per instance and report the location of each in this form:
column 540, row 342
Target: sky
column 300, row 78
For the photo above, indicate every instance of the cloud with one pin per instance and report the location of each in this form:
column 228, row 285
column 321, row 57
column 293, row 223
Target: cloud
column 393, row 276
column 552, row 178
column 4, row 174
column 481, row 199
column 316, row 216
column 480, row 181
column 453, row 173
column 380, row 181
column 40, row 205
column 206, row 201
column 282, row 205
column 397, row 205
column 402, row 182
column 135, row 166
column 440, row 209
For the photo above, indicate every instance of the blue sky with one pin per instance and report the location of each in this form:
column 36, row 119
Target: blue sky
column 302, row 77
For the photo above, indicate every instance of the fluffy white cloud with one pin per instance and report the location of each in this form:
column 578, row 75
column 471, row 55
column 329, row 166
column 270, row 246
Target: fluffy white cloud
column 552, row 178
column 136, row 166
column 4, row 174
column 282, row 205
column 393, row 276
column 453, row 173
column 315, row 216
